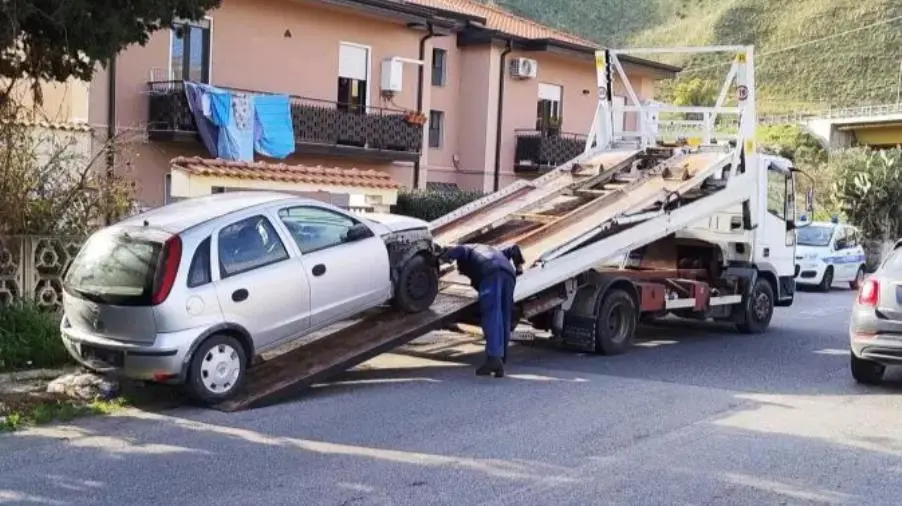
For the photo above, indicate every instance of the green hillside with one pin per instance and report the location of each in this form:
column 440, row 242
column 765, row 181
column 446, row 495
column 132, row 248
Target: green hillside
column 857, row 68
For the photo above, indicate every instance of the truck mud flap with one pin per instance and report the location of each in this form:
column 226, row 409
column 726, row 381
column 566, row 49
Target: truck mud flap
column 286, row 375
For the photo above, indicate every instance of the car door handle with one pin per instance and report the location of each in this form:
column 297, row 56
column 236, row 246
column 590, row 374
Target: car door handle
column 240, row 295
column 319, row 269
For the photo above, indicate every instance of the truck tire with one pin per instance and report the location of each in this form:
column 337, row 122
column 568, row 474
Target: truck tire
column 417, row 285
column 615, row 323
column 217, row 369
column 866, row 372
column 827, row 281
column 759, row 308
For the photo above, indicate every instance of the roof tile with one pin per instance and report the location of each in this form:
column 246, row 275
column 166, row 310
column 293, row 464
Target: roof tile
column 505, row 21
column 263, row 171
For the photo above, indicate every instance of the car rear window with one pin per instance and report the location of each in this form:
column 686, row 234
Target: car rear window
column 114, row 269
column 893, row 262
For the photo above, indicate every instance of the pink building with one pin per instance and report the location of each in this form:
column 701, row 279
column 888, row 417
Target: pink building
column 503, row 97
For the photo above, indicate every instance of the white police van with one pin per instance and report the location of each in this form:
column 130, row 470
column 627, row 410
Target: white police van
column 828, row 252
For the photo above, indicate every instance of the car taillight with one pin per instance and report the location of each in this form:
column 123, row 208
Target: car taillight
column 169, row 267
column 869, row 293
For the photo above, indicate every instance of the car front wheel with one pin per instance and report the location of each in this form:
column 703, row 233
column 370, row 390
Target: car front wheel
column 417, row 285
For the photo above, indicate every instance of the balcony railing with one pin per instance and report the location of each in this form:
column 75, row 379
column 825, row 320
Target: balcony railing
column 320, row 126
column 538, row 150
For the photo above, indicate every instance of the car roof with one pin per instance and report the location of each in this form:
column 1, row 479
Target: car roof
column 185, row 214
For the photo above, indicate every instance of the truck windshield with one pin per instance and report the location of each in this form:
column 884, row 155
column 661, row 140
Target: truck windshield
column 814, row 235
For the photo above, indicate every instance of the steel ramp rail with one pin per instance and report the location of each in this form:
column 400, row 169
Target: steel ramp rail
column 286, row 375
column 574, row 263
column 495, row 209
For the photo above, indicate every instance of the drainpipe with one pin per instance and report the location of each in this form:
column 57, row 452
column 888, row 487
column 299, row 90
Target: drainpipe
column 111, row 125
column 497, row 176
column 420, row 83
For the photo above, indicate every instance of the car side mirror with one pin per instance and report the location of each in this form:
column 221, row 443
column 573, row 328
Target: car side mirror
column 838, row 245
column 358, row 232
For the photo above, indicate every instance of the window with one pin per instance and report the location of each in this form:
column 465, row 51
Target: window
column 315, row 228
column 353, row 75
column 436, row 128
column 814, row 235
column 439, row 65
column 777, row 186
column 548, row 111
column 249, row 244
column 189, row 52
column 893, row 262
column 115, row 268
column 199, row 272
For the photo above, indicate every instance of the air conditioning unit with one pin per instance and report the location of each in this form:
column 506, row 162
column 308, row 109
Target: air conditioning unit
column 524, row 68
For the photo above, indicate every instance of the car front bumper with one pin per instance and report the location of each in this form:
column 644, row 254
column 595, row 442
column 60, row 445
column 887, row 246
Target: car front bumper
column 811, row 272
column 164, row 361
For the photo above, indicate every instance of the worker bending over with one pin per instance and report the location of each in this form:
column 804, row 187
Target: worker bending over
column 494, row 276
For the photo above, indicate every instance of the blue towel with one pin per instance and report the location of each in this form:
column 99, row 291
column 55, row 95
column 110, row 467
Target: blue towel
column 220, row 107
column 236, row 138
column 274, row 133
column 208, row 132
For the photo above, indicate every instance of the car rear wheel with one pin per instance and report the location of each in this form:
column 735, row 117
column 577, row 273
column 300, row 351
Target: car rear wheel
column 867, row 372
column 859, row 279
column 417, row 285
column 217, row 369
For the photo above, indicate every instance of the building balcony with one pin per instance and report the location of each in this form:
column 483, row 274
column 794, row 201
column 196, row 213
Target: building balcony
column 320, row 127
column 539, row 150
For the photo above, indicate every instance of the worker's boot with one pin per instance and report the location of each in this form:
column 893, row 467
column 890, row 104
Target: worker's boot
column 492, row 365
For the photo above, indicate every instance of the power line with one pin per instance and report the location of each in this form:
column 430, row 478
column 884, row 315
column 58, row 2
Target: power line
column 806, row 43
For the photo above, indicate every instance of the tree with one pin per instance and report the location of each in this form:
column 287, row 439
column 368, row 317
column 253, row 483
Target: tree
column 868, row 189
column 55, row 40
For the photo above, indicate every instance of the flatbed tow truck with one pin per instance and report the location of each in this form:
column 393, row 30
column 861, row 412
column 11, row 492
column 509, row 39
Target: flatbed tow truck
column 630, row 229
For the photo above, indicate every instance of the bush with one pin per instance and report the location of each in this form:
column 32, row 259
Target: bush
column 431, row 204
column 30, row 337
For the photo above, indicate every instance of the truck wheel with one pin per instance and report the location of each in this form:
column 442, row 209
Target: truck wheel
column 417, row 285
column 615, row 324
column 866, row 372
column 216, row 370
column 827, row 281
column 855, row 284
column 759, row 308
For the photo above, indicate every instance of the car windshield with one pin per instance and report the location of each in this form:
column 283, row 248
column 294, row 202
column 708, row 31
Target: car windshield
column 112, row 267
column 814, row 235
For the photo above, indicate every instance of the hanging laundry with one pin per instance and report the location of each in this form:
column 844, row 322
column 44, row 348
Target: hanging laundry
column 236, row 138
column 198, row 96
column 274, row 131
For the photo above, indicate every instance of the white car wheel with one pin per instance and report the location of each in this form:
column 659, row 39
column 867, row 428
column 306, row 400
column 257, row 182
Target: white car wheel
column 220, row 369
column 217, row 369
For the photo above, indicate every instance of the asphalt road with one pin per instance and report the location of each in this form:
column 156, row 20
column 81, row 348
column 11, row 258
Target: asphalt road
column 691, row 416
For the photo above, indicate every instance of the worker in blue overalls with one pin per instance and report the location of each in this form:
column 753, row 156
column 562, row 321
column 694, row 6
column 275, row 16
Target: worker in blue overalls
column 493, row 273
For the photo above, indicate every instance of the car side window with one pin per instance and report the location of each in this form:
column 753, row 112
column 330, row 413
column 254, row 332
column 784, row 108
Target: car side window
column 249, row 244
column 199, row 272
column 316, row 228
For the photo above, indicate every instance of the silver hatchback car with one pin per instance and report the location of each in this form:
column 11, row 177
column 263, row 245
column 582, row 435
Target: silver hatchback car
column 189, row 293
column 875, row 327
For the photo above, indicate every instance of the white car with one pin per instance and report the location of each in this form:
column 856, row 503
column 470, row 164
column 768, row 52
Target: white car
column 829, row 252
column 189, row 293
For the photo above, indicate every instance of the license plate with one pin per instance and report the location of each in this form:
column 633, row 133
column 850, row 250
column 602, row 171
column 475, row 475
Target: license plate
column 111, row 357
